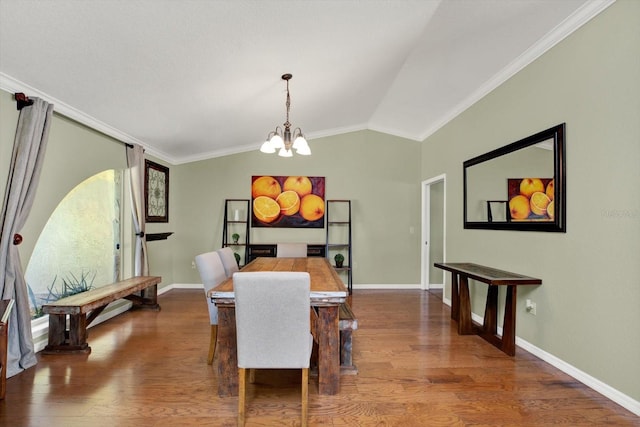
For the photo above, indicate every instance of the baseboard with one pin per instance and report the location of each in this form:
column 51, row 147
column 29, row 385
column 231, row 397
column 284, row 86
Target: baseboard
column 387, row 286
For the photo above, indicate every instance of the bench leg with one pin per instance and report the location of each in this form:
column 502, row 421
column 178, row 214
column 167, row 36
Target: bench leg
column 346, row 352
column 77, row 335
column 147, row 300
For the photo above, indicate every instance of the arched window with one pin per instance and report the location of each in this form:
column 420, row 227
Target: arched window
column 79, row 247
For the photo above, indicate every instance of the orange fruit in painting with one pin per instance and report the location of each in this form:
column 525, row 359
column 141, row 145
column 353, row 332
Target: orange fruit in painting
column 299, row 184
column 312, row 207
column 550, row 190
column 266, row 209
column 551, row 210
column 539, row 202
column 519, row 207
column 528, row 186
column 289, row 202
column 265, row 186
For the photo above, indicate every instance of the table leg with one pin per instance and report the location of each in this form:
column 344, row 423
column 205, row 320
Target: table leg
column 490, row 325
column 509, row 324
column 227, row 352
column 329, row 350
column 465, row 322
column 455, row 299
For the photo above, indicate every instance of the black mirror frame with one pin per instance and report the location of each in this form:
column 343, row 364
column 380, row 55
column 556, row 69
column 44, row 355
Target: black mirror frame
column 558, row 134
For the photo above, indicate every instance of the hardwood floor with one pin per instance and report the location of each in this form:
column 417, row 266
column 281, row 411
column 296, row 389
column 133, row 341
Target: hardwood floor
column 149, row 369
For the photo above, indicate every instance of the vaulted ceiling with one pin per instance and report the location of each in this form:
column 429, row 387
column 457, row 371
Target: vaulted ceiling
column 194, row 79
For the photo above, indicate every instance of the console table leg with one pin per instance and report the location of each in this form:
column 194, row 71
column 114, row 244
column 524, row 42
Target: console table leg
column 455, row 299
column 465, row 323
column 509, row 324
column 490, row 325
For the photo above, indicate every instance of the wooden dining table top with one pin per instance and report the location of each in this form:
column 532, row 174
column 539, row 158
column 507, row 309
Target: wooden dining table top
column 326, row 285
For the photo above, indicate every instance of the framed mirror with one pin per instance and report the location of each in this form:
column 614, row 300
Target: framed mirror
column 520, row 186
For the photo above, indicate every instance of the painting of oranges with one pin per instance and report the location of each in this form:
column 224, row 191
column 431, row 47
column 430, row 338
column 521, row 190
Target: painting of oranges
column 287, row 201
column 531, row 199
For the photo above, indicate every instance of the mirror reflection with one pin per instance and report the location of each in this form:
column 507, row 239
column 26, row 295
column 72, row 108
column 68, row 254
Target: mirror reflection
column 519, row 186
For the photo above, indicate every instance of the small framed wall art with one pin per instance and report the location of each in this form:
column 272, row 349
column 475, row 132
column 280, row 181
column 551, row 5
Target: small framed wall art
column 156, row 192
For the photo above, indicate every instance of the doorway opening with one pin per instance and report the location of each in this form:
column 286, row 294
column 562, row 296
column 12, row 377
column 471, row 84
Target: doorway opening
column 434, row 221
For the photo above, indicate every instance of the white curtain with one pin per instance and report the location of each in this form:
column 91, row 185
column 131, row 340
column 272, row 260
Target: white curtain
column 29, row 147
column 135, row 163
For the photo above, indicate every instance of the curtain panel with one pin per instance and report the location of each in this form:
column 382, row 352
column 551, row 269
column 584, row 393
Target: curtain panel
column 135, row 163
column 29, row 148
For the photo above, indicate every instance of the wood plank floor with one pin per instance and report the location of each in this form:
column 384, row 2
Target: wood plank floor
column 149, row 369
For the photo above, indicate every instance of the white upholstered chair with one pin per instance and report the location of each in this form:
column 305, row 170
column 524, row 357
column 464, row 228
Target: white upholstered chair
column 291, row 250
column 228, row 260
column 272, row 327
column 212, row 274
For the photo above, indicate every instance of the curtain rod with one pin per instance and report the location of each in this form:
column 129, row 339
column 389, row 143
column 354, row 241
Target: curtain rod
column 22, row 100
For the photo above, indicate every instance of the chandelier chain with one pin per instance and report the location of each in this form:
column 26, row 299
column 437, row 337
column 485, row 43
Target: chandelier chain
column 287, row 124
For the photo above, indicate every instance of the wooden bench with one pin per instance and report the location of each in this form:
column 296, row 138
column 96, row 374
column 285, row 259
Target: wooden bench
column 83, row 308
column 5, row 311
column 347, row 323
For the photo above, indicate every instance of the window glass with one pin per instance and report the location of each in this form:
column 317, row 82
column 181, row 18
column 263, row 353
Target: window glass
column 79, row 246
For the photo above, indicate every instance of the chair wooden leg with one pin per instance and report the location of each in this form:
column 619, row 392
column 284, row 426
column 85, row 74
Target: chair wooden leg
column 305, row 397
column 242, row 392
column 212, row 343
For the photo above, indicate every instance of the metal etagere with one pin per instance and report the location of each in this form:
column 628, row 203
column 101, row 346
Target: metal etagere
column 339, row 239
column 236, row 221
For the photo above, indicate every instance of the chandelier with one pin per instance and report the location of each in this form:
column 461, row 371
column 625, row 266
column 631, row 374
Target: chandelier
column 284, row 141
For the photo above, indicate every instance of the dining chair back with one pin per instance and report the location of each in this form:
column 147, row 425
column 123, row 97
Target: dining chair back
column 212, row 273
column 272, row 327
column 291, row 250
column 228, row 261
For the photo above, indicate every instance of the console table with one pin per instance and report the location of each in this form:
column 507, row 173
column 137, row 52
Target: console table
column 461, row 302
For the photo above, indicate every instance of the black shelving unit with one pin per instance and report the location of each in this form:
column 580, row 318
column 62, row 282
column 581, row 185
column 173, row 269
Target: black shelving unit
column 339, row 239
column 236, row 220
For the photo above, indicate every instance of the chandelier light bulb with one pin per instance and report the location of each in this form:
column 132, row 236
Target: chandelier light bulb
column 276, row 142
column 267, row 147
column 285, row 153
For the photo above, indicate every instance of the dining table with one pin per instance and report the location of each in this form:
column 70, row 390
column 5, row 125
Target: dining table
column 326, row 294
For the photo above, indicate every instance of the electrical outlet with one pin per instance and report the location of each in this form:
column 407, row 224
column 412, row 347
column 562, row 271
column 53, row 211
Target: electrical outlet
column 531, row 307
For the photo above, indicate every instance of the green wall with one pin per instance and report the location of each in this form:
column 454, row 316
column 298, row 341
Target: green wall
column 378, row 172
column 587, row 306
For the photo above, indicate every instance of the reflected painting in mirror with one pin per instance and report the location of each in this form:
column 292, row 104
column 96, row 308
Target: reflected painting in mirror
column 520, row 186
